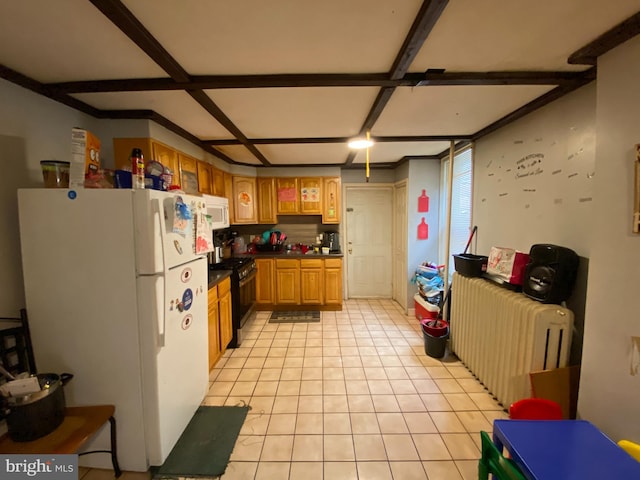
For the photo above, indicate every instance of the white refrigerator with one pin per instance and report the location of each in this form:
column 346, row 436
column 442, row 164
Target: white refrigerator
column 117, row 295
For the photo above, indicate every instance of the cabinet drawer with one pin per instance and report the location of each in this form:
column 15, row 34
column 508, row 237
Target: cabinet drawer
column 287, row 263
column 311, row 263
column 223, row 287
column 333, row 262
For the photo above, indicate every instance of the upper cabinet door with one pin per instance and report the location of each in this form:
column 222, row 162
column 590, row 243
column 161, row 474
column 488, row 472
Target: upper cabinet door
column 168, row 157
column 287, row 194
column 217, row 182
column 188, row 173
column 205, row 180
column 266, row 200
column 331, row 200
column 244, row 200
column 311, row 196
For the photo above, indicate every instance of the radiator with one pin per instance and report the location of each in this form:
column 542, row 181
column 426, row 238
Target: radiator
column 501, row 336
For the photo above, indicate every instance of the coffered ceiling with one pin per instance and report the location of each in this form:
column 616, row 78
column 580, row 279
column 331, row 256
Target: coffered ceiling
column 288, row 82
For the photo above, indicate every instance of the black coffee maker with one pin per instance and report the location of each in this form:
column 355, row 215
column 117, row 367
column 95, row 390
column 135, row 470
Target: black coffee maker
column 331, row 239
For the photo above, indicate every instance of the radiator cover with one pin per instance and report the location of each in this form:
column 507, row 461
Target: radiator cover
column 501, row 336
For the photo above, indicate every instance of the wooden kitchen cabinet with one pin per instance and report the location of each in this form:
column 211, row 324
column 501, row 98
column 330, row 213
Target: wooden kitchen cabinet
column 214, row 326
column 205, row 177
column 311, row 281
column 310, row 195
column 287, row 196
column 265, row 281
column 217, row 183
column 168, row 157
column 333, row 281
column 224, row 311
column 244, row 200
column 219, row 320
column 228, row 194
column 331, row 200
column 266, row 200
column 122, row 151
column 188, row 173
column 287, row 281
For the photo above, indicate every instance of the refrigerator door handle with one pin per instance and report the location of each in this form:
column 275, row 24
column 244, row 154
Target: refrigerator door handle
column 160, row 314
column 158, row 214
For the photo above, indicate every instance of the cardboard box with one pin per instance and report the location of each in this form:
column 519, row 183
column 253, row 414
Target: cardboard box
column 560, row 385
column 85, row 156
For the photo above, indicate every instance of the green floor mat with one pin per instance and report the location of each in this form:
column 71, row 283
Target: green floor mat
column 204, row 448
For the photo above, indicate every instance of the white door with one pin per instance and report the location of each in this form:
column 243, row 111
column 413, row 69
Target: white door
column 368, row 240
column 400, row 244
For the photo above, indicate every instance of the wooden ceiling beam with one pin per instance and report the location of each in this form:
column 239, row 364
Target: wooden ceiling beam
column 588, row 55
column 334, row 140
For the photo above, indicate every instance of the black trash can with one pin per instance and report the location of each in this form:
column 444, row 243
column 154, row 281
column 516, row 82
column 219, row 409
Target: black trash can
column 435, row 346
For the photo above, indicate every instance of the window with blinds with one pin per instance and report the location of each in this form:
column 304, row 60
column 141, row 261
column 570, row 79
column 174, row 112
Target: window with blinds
column 461, row 189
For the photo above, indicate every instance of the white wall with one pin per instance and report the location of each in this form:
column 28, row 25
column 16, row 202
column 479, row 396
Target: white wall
column 533, row 180
column 609, row 393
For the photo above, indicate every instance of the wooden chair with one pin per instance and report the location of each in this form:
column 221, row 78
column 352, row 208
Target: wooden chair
column 631, row 448
column 535, row 409
column 493, row 462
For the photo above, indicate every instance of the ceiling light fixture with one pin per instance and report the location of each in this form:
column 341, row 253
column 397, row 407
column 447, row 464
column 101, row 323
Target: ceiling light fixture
column 359, row 144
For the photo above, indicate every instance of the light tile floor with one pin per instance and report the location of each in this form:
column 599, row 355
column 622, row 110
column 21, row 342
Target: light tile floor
column 351, row 397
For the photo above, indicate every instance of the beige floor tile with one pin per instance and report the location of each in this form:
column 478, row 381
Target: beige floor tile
column 333, row 373
column 395, row 373
column 354, row 373
column 375, row 373
column 392, row 423
column 448, row 385
column 360, row 403
column 261, row 404
column 311, row 387
column 392, row 361
column 241, row 389
column 356, row 387
column 228, row 375
column 444, row 470
column 439, row 372
column 247, row 448
column 402, row 387
column 285, row 404
column 351, row 361
column 273, row 471
column 255, row 424
column 447, row 422
column 288, row 387
column 337, row 423
column 492, row 415
column 236, row 362
column 426, row 386
column 374, row 471
column 214, row 401
column 350, row 350
column 270, row 374
column 468, row 469
column 340, row 471
column 369, row 447
column 335, row 403
column 399, row 447
column 309, row 423
column 474, row 421
column 435, row 402
column 257, row 362
column 471, row 385
column 461, row 446
column 411, row 403
column 334, row 387
column 277, row 448
column 484, row 401
column 417, row 373
column 380, row 387
column 430, row 446
column 332, row 362
column 310, row 404
column 265, row 388
column 311, row 373
column 293, row 362
column 306, row 471
column 307, row 448
column 312, row 362
column 240, row 470
column 273, row 362
column 460, row 401
column 293, row 351
column 419, row 422
column 338, row 448
column 408, row 471
column 282, row 424
column 363, row 423
column 220, row 389
column 291, row 374
column 371, row 361
column 385, row 403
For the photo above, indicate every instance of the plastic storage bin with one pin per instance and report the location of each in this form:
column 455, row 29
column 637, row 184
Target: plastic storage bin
column 55, row 173
column 470, row 265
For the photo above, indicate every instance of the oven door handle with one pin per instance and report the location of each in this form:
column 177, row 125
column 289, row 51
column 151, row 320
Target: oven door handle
column 248, row 278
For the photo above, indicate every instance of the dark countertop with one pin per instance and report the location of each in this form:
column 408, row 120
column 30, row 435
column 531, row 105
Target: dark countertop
column 294, row 254
column 216, row 276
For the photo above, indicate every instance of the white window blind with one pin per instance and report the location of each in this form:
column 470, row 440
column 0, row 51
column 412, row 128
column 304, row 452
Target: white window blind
column 460, row 204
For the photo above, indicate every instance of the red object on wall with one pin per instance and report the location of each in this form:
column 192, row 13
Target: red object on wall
column 423, row 230
column 423, row 202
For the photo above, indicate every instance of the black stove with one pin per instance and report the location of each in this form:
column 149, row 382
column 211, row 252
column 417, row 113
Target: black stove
column 243, row 292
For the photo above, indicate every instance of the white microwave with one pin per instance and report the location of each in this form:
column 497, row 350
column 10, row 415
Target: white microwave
column 218, row 211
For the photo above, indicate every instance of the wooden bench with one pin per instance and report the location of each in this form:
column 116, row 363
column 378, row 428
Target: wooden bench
column 80, row 424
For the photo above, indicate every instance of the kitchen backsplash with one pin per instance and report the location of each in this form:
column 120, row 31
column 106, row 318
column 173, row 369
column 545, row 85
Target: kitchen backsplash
column 297, row 232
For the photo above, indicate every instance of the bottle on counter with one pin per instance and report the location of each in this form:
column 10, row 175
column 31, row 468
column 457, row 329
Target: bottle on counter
column 137, row 168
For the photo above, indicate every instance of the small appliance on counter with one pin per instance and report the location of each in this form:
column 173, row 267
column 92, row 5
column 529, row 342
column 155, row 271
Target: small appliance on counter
column 331, row 240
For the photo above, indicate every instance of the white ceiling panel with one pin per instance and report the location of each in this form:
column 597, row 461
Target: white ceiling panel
column 391, row 152
column 279, row 36
column 305, row 154
column 239, row 153
column 296, row 112
column 451, row 110
column 492, row 35
column 176, row 105
column 67, row 40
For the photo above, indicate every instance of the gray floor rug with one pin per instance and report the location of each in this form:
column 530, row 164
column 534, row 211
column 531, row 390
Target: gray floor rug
column 294, row 317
